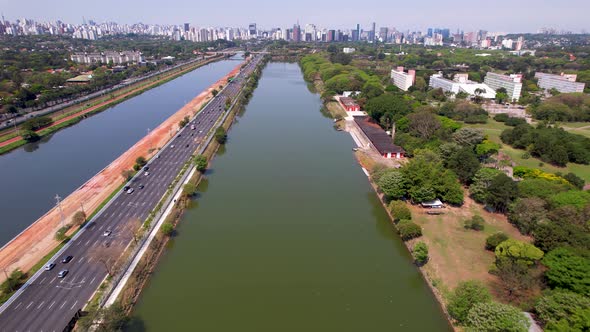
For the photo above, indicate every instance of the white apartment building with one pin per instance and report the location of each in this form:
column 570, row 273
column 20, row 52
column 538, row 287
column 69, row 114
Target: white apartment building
column 512, row 84
column 461, row 84
column 402, row 79
column 107, row 57
column 564, row 83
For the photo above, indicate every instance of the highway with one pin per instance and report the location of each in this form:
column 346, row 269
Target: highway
column 51, row 109
column 48, row 303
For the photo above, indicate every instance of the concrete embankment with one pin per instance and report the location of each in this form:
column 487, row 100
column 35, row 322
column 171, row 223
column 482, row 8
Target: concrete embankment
column 35, row 242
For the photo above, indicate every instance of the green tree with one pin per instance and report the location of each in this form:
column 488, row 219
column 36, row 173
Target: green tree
column 201, row 163
column 519, row 251
column 30, row 136
column 464, row 297
column 468, row 137
column 527, row 213
column 189, row 189
column 481, row 182
column 141, row 161
column 494, row 240
column 393, row 185
column 220, row 135
column 476, row 223
column 501, row 191
column 465, row 164
column 400, row 210
column 575, row 180
column 214, row 92
column 167, row 229
column 409, row 230
column 556, row 306
column 420, row 253
column 568, row 270
column 127, row 174
column 496, row 317
column 394, row 105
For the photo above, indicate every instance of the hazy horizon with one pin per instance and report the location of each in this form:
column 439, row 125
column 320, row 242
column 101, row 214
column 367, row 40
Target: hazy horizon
column 499, row 16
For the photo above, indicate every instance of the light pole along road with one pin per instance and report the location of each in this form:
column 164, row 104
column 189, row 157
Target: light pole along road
column 48, row 303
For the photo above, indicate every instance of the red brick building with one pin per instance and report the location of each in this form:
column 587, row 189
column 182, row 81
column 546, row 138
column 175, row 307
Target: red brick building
column 349, row 104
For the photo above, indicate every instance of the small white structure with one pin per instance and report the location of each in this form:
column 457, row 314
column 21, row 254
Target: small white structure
column 461, row 84
column 348, row 50
column 435, row 204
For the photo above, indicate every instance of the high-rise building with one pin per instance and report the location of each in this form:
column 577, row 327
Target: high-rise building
column 331, row 36
column 252, row 30
column 401, row 79
column 296, row 33
column 373, row 33
column 186, row 27
column 512, row 84
column 383, row 34
column 430, row 32
column 564, row 83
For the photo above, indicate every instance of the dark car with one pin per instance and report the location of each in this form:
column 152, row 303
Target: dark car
column 141, row 186
column 67, row 259
column 126, row 188
column 147, row 168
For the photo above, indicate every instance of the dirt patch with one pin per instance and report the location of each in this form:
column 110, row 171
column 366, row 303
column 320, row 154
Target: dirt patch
column 34, row 243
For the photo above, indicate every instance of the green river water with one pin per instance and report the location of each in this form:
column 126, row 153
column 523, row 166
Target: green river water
column 286, row 234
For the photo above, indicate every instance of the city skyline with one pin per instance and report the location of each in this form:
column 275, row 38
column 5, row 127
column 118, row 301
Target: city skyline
column 429, row 13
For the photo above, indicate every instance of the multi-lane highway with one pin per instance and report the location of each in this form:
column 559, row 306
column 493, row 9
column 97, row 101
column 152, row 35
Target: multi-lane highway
column 48, row 302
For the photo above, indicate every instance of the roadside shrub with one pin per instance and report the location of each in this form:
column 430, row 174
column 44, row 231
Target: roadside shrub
column 475, row 223
column 513, row 122
column 420, row 253
column 464, row 297
column 494, row 240
column 409, row 230
column 60, row 235
column 400, row 211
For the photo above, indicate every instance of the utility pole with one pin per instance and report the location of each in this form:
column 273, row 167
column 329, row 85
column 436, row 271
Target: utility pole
column 58, row 199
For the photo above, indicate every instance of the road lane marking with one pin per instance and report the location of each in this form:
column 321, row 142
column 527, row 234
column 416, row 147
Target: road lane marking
column 101, row 227
column 88, row 242
column 63, row 304
column 91, row 281
column 73, row 305
column 51, row 305
column 30, row 304
column 40, row 305
column 42, row 280
column 18, row 305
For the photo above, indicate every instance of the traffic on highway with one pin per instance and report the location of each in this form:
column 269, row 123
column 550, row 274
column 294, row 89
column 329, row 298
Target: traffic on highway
column 55, row 294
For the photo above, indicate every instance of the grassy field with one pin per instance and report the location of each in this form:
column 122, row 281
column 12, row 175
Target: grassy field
column 493, row 129
column 451, row 246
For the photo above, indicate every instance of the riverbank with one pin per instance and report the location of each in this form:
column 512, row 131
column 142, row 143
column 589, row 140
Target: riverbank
column 65, row 118
column 32, row 244
column 450, row 245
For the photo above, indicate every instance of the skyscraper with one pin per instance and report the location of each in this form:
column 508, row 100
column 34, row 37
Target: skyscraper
column 373, row 32
column 296, row 33
column 252, row 30
column 186, row 27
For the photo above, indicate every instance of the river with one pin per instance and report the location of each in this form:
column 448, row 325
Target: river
column 286, row 234
column 32, row 175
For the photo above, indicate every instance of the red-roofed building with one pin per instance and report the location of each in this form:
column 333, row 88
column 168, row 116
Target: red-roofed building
column 379, row 138
column 349, row 104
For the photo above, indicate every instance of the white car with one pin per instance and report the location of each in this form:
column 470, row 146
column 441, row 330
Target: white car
column 107, row 232
column 49, row 266
column 130, row 191
column 146, row 173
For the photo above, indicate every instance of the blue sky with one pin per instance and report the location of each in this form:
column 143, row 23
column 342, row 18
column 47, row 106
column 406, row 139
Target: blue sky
column 491, row 15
